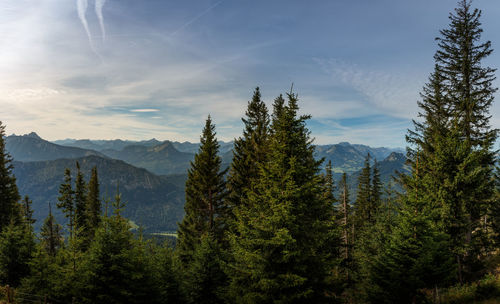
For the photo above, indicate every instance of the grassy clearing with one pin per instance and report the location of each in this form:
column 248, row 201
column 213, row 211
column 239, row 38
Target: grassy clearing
column 484, row 291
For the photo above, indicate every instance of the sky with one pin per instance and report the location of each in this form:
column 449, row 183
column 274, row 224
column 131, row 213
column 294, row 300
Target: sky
column 141, row 69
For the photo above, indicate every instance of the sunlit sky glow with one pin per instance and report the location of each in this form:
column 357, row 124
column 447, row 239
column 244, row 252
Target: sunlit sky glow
column 157, row 68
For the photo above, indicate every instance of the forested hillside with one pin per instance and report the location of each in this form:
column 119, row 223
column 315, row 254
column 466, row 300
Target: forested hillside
column 153, row 202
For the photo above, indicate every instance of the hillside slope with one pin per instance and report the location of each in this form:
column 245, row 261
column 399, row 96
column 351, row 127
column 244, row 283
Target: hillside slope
column 155, row 202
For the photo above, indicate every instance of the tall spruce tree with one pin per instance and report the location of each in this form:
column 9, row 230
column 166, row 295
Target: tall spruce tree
column 376, row 187
column 249, row 151
column 363, row 207
column 345, row 223
column 15, row 254
column 205, row 194
column 205, row 280
column 80, row 197
column 282, row 247
column 451, row 154
column 9, row 195
column 27, row 212
column 51, row 238
column 67, row 202
column 115, row 268
column 93, row 204
column 329, row 184
column 415, row 256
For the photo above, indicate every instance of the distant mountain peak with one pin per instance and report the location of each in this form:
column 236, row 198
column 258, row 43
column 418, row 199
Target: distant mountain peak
column 32, row 135
column 395, row 156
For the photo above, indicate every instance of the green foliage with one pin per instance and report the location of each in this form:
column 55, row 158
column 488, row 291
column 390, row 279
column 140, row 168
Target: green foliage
column 9, row 195
column 205, row 194
column 167, row 274
column 116, row 270
column 488, row 288
column 66, row 201
column 45, row 277
column 276, row 258
column 369, row 196
column 93, row 204
column 451, row 154
column 51, row 238
column 250, row 151
column 80, row 198
column 15, row 255
column 204, row 279
column 415, row 256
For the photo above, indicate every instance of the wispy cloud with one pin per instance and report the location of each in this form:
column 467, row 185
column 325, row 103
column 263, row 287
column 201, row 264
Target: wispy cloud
column 145, row 110
column 395, row 93
column 191, row 21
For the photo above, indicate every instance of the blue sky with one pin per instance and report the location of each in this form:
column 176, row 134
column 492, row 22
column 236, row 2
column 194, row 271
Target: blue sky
column 157, row 68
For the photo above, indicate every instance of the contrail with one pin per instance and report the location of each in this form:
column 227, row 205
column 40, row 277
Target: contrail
column 98, row 11
column 82, row 5
column 195, row 18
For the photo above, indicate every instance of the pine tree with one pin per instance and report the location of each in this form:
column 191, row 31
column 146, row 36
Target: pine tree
column 249, row 151
column 494, row 211
column 28, row 212
column 346, row 225
column 115, row 266
column 80, row 197
column 415, row 256
column 363, row 208
column 66, row 201
column 14, row 254
column 51, row 235
column 282, row 246
column 205, row 279
column 329, row 184
column 452, row 157
column 205, row 194
column 469, row 84
column 9, row 195
column 93, row 204
column 376, row 187
column 167, row 274
column 43, row 280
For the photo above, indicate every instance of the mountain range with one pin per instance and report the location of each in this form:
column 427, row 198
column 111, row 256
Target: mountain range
column 150, row 174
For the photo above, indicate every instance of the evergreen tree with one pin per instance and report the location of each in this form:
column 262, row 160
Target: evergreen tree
column 93, row 204
column 14, row 254
column 67, row 202
column 452, row 157
column 470, row 85
column 346, row 225
column 329, row 184
column 44, row 278
column 28, row 212
column 249, row 151
column 115, row 268
column 80, row 197
column 283, row 247
column 415, row 256
column 363, row 208
column 205, row 194
column 494, row 212
column 51, row 235
column 167, row 276
column 9, row 195
column 376, row 187
column 205, row 279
